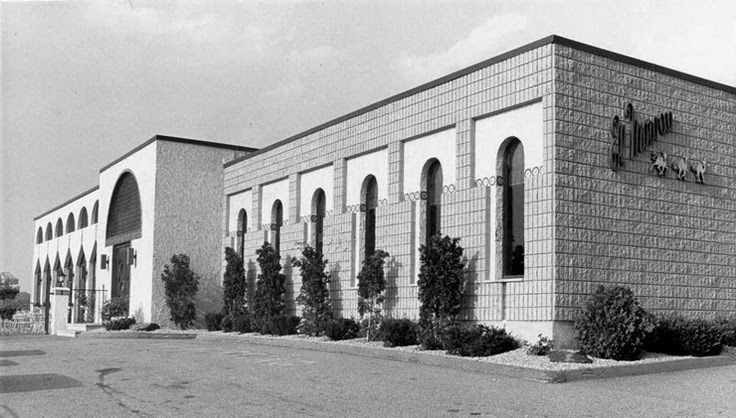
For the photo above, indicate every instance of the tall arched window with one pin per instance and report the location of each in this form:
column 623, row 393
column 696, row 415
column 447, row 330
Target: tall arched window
column 513, row 209
column 70, row 224
column 94, row 212
column 39, row 237
column 277, row 219
column 433, row 187
column 370, row 203
column 124, row 216
column 319, row 206
column 49, row 232
column 38, row 281
column 242, row 229
column 83, row 221
column 59, row 228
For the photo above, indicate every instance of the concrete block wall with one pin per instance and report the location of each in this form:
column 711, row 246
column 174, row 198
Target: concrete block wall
column 673, row 242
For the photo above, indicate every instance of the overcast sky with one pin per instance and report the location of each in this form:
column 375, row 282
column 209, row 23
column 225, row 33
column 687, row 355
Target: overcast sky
column 85, row 82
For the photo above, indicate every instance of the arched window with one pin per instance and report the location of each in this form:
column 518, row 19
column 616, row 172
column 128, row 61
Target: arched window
column 70, row 224
column 59, row 228
column 39, row 237
column 370, row 203
column 124, row 217
column 46, row 289
column 49, row 232
column 83, row 221
column 513, row 209
column 319, row 207
column 38, row 282
column 94, row 213
column 277, row 219
column 242, row 229
column 432, row 184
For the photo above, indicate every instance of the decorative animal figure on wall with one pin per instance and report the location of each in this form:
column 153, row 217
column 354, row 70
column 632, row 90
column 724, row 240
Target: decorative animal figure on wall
column 680, row 168
column 699, row 169
column 659, row 163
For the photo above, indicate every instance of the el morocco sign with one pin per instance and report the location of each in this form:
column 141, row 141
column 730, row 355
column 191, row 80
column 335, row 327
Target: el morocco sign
column 641, row 134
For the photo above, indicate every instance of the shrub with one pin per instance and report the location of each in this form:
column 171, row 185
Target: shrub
column 338, row 329
column 284, row 325
column 728, row 330
column 677, row 335
column 180, row 287
column 241, row 322
column 541, row 348
column 119, row 324
column 213, row 320
column 314, row 296
column 371, row 285
column 227, row 324
column 441, row 285
column 7, row 312
column 7, row 292
column 612, row 324
column 477, row 341
column 145, row 327
column 398, row 332
column 234, row 283
column 268, row 303
column 114, row 308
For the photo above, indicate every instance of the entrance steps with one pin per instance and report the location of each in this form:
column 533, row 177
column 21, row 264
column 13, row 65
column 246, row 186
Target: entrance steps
column 72, row 330
column 67, row 333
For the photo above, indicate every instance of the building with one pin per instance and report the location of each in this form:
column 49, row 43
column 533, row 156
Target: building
column 561, row 167
column 114, row 240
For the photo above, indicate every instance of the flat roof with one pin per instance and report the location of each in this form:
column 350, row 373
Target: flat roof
column 552, row 39
column 55, row 208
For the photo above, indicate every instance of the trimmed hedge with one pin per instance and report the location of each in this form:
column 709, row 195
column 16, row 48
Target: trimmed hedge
column 677, row 335
column 477, row 341
column 338, row 329
column 398, row 332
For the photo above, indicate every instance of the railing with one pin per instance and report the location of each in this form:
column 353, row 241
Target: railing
column 85, row 305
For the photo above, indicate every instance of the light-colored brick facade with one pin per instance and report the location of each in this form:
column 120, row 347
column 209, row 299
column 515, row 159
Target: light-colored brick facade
column 672, row 241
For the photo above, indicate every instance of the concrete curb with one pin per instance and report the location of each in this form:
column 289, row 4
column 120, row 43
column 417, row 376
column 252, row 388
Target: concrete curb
column 140, row 335
column 467, row 364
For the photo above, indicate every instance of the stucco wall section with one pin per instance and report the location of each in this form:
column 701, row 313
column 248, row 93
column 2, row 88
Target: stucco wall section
column 671, row 241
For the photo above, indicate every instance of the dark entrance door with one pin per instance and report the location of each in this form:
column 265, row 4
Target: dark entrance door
column 120, row 271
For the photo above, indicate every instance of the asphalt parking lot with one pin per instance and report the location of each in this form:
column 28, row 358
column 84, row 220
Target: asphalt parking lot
column 63, row 377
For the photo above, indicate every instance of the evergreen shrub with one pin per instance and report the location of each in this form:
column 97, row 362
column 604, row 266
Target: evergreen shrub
column 119, row 324
column 268, row 303
column 314, row 296
column 242, row 323
column 7, row 312
column 371, row 285
column 180, row 287
column 115, row 308
column 338, row 329
column 226, row 325
column 677, row 335
column 284, row 325
column 213, row 320
column 234, row 283
column 477, row 341
column 612, row 325
column 398, row 332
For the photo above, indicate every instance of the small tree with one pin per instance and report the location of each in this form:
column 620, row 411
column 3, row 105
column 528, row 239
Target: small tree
column 314, row 297
column 371, row 285
column 268, row 304
column 234, row 284
column 442, row 280
column 181, row 286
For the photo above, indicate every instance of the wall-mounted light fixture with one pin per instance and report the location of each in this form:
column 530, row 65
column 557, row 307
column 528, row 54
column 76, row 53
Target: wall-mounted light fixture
column 60, row 276
column 132, row 256
column 103, row 261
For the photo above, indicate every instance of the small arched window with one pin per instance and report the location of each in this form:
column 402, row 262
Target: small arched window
column 433, row 187
column 242, row 230
column 49, row 232
column 513, row 209
column 369, row 205
column 39, row 237
column 83, row 221
column 277, row 219
column 59, row 228
column 70, row 223
column 319, row 207
column 94, row 213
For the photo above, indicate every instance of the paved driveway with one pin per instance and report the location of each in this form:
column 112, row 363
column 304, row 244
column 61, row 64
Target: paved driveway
column 50, row 376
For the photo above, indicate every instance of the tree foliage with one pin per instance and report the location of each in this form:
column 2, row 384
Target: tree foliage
column 234, row 283
column 314, row 296
column 268, row 303
column 442, row 280
column 180, row 286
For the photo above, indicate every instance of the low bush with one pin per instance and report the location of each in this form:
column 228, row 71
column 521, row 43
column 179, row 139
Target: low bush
column 7, row 312
column 115, row 308
column 478, row 341
column 226, row 325
column 612, row 325
column 398, row 332
column 678, row 335
column 541, row 348
column 213, row 320
column 338, row 329
column 119, row 324
column 241, row 322
column 283, row 325
column 728, row 330
column 145, row 327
